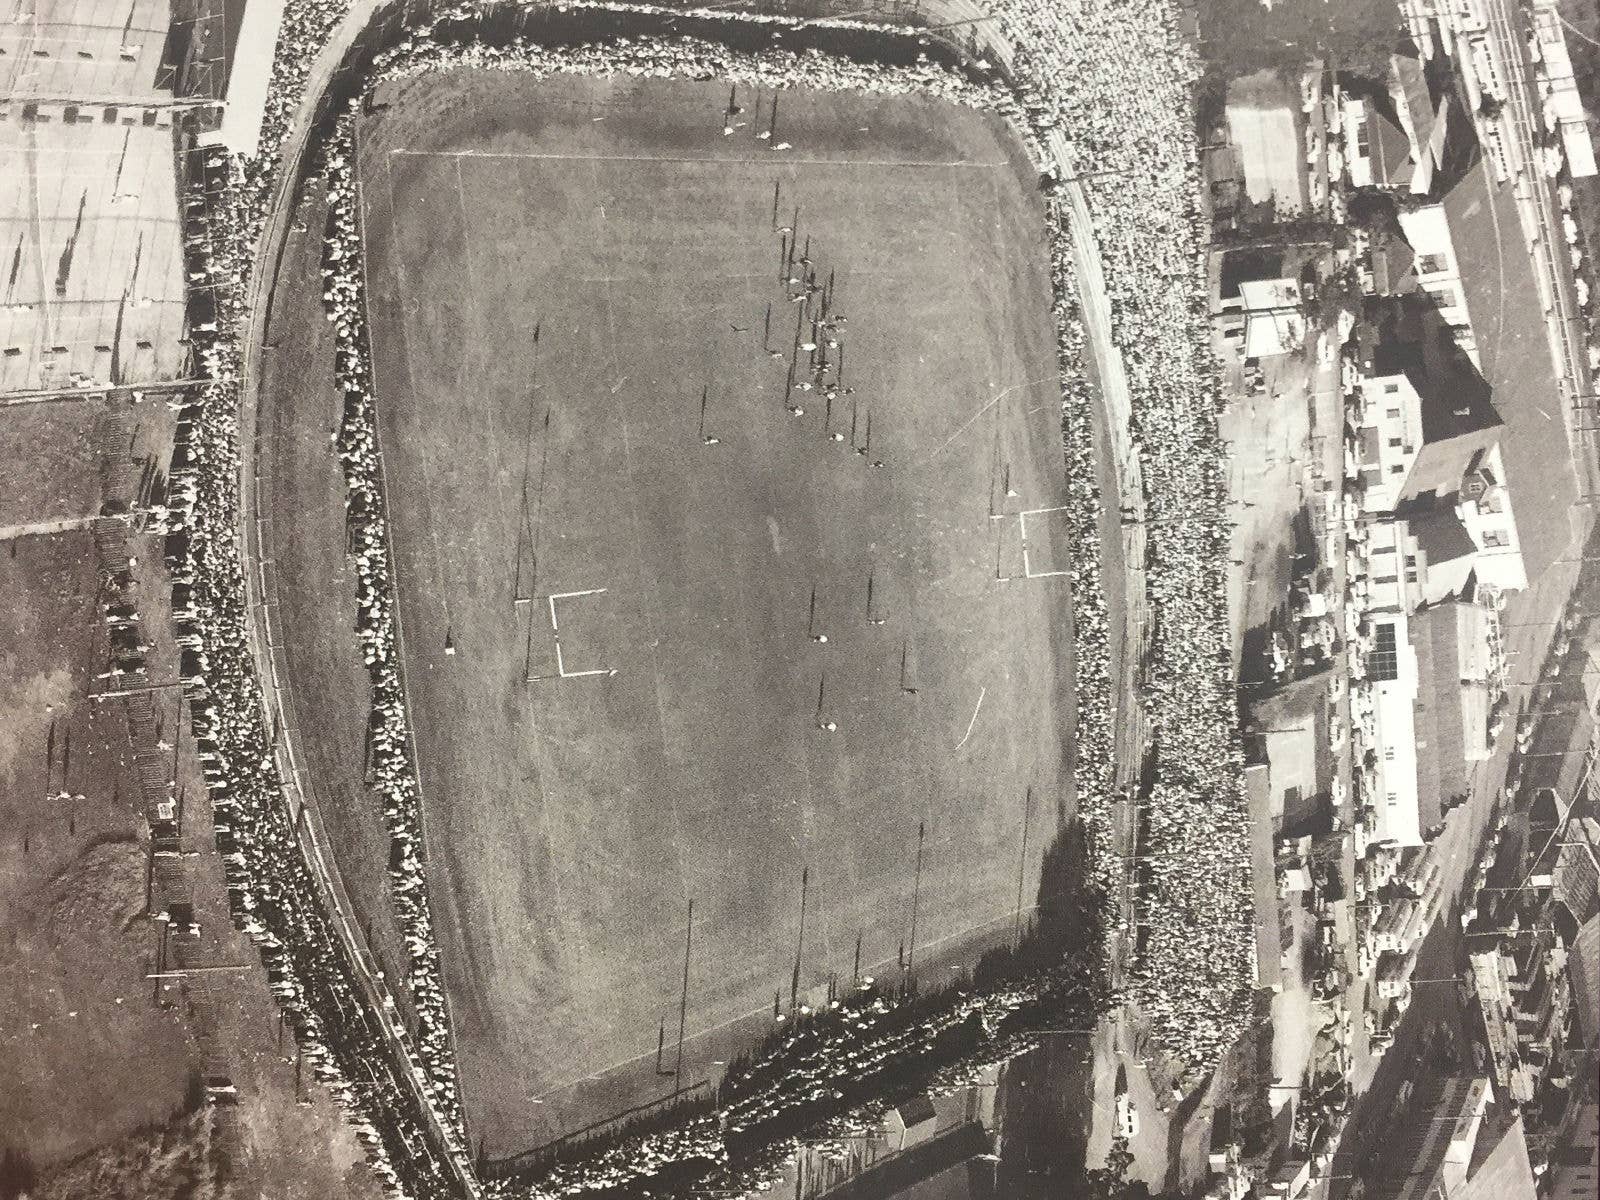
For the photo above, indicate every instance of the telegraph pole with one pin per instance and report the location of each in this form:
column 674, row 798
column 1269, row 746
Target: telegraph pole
column 1022, row 865
column 800, row 941
column 916, row 896
column 683, row 1001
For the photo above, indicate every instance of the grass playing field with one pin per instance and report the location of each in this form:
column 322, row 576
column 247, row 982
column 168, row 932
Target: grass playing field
column 559, row 272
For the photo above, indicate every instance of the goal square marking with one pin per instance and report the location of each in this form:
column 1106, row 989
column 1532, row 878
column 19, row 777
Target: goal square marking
column 1029, row 551
column 565, row 667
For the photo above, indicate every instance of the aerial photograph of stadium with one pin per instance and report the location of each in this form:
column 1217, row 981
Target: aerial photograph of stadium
column 852, row 599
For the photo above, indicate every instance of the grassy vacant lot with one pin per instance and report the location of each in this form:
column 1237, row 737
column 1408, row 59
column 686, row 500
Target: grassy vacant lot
column 50, row 454
column 571, row 821
column 88, row 1056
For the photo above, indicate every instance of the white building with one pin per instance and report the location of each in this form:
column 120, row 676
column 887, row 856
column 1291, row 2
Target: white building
column 1390, row 439
column 1263, row 318
column 1427, row 232
column 1398, row 926
column 1484, row 509
column 1275, row 319
column 1394, row 975
column 1356, row 132
column 1392, row 670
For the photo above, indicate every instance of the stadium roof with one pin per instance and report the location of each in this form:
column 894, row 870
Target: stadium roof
column 66, row 49
column 248, row 76
column 89, row 222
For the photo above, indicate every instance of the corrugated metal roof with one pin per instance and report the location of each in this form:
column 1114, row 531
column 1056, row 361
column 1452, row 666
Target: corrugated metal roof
column 1583, row 967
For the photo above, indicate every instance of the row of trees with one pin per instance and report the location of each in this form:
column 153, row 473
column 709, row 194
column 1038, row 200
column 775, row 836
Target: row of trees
column 1241, row 37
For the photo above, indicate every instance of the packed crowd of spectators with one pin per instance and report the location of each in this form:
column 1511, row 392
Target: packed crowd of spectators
column 1112, row 77
column 393, row 771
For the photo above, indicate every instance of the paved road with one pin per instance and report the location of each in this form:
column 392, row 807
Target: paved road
column 1508, row 27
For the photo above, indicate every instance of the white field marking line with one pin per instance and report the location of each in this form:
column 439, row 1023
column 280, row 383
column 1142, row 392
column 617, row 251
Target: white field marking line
column 438, row 588
column 1000, row 545
column 400, row 646
column 555, row 631
column 554, row 596
column 335, row 881
column 982, row 692
column 998, row 396
column 405, row 688
column 1027, row 567
column 890, row 273
column 781, row 160
column 1022, row 521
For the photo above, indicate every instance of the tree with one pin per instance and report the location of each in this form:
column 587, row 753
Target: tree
column 1373, row 209
column 1338, row 293
column 1111, row 1182
column 1356, row 37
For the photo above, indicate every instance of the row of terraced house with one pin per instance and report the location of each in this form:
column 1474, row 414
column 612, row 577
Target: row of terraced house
column 1429, row 509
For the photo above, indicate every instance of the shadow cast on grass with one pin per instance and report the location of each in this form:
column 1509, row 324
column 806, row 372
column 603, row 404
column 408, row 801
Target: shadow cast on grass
column 821, row 1073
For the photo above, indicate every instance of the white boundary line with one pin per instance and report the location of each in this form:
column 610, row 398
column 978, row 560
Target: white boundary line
column 715, row 160
column 555, row 632
column 976, row 709
column 1022, row 523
